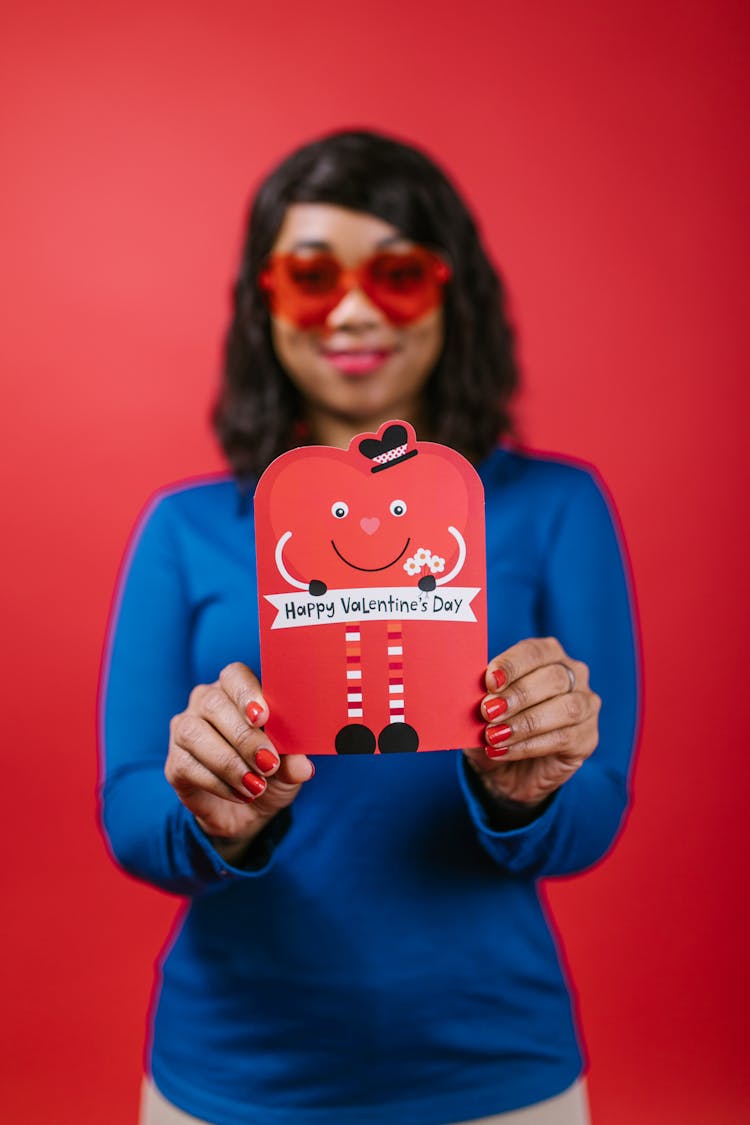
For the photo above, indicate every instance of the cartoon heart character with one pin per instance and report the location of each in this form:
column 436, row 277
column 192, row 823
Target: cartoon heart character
column 372, row 539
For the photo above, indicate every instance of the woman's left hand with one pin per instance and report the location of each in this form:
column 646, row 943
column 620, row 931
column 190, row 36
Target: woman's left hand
column 542, row 722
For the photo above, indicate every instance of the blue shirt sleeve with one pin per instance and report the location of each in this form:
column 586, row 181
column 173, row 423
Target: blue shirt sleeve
column 585, row 602
column 147, row 678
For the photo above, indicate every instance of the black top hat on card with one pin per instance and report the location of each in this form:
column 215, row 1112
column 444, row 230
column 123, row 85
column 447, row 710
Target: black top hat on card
column 390, row 450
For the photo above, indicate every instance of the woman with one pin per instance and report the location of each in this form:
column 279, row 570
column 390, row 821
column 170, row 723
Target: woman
column 368, row 946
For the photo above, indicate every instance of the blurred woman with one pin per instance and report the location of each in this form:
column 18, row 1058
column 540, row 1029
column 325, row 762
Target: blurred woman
column 369, row 946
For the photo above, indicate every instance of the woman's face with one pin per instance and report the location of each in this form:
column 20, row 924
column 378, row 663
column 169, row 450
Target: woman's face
column 356, row 368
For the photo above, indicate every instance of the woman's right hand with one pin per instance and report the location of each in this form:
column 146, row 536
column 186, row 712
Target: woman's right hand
column 224, row 768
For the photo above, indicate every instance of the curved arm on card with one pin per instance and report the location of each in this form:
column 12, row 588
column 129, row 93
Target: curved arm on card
column 278, row 556
column 461, row 557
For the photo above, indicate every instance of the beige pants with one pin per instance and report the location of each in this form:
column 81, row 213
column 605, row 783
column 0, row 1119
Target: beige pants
column 570, row 1108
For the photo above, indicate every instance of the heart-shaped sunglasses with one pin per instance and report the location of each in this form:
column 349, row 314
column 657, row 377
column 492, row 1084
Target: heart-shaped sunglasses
column 306, row 288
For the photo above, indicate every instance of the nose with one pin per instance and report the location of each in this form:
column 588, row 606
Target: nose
column 355, row 311
column 369, row 524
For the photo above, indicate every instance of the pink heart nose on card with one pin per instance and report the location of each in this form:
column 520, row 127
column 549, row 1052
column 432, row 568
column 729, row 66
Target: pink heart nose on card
column 369, row 524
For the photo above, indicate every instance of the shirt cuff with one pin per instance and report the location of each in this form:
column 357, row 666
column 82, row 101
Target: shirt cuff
column 258, row 859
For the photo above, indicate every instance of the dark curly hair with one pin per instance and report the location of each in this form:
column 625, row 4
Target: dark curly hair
column 258, row 412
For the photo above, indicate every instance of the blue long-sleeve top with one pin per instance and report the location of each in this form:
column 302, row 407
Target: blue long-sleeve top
column 383, row 954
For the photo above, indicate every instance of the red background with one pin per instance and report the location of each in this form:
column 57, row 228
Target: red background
column 602, row 147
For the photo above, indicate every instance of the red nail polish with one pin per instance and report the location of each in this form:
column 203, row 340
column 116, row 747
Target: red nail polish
column 496, row 735
column 496, row 751
column 265, row 760
column 253, row 711
column 500, row 678
column 253, row 783
column 312, row 767
column 494, row 708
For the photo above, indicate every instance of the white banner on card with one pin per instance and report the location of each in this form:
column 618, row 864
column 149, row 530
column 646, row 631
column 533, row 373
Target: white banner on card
column 389, row 603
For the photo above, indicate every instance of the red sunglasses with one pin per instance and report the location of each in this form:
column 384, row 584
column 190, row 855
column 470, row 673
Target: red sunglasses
column 306, row 288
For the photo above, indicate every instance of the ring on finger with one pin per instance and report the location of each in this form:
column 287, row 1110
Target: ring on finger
column 571, row 677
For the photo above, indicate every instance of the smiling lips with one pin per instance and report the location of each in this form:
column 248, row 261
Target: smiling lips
column 360, row 361
column 371, row 569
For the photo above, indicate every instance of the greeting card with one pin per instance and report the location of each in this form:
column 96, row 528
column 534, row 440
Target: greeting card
column 371, row 583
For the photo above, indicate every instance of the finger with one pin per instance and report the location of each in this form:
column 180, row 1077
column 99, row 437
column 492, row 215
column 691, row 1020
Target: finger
column 244, row 689
column 199, row 738
column 567, row 710
column 522, row 658
column 219, row 710
column 295, row 769
column 576, row 742
column 190, row 778
column 580, row 672
column 198, row 788
column 543, row 683
column 282, row 788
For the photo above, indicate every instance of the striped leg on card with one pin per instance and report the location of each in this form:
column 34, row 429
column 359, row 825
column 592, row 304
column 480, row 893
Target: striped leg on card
column 395, row 673
column 354, row 709
column 398, row 737
column 355, row 737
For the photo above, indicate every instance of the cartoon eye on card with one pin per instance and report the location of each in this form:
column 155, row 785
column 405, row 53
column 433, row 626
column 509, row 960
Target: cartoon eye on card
column 380, row 570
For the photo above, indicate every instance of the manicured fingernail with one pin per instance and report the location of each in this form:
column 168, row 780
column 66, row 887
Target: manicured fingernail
column 500, row 678
column 496, row 735
column 253, row 783
column 496, row 751
column 312, row 771
column 253, row 711
column 266, row 760
column 494, row 708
